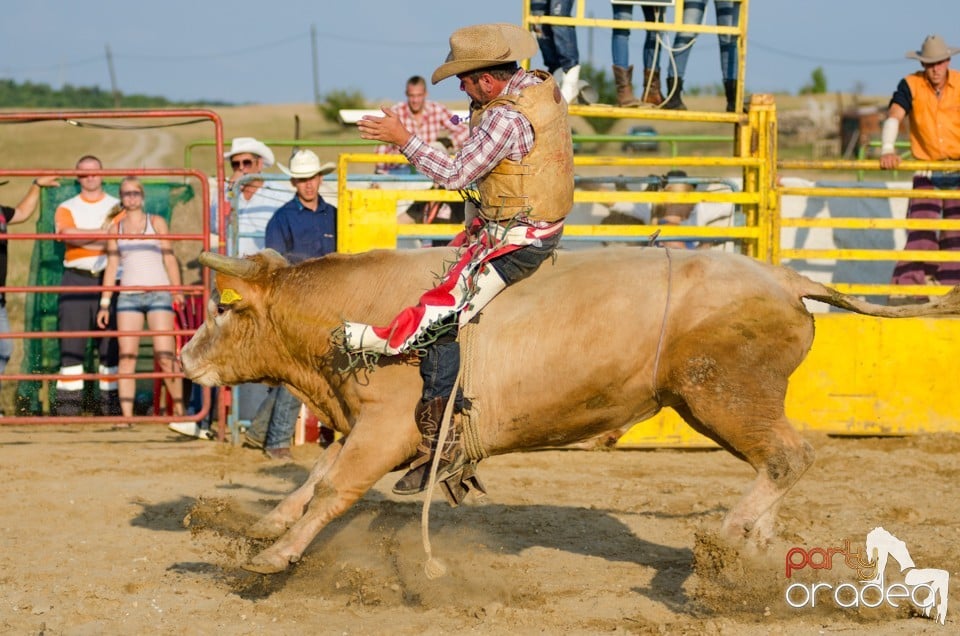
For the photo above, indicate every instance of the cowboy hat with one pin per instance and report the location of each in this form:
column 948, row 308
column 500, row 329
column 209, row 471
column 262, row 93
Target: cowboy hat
column 241, row 145
column 934, row 50
column 483, row 45
column 305, row 164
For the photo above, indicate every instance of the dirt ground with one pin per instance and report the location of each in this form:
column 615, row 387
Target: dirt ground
column 93, row 540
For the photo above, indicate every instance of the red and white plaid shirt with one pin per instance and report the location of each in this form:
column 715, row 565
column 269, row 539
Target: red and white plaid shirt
column 503, row 133
column 435, row 119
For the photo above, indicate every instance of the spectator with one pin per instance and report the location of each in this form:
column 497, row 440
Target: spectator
column 517, row 122
column 931, row 99
column 305, row 227
column 670, row 213
column 13, row 216
column 558, row 45
column 622, row 71
column 83, row 263
column 424, row 118
column 257, row 201
column 728, row 14
column 141, row 262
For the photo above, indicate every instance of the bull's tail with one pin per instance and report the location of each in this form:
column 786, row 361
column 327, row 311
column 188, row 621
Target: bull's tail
column 946, row 305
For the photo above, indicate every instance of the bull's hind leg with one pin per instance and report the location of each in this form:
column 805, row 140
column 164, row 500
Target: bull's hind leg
column 769, row 444
column 288, row 511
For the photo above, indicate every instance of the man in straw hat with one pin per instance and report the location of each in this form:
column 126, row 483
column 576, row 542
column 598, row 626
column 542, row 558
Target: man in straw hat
column 520, row 156
column 256, row 201
column 931, row 98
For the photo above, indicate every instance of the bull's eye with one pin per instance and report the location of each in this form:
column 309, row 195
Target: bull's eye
column 222, row 309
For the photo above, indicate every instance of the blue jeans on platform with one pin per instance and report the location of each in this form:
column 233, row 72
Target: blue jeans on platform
column 275, row 418
column 620, row 42
column 440, row 365
column 558, row 44
column 728, row 14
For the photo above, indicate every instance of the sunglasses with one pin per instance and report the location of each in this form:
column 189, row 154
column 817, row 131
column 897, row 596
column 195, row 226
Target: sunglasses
column 131, row 193
column 246, row 163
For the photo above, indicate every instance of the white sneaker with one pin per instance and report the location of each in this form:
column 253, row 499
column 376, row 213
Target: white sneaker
column 190, row 429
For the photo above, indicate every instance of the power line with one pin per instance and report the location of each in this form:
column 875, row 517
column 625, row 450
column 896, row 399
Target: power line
column 833, row 61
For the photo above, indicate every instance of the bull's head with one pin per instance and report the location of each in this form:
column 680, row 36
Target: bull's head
column 235, row 342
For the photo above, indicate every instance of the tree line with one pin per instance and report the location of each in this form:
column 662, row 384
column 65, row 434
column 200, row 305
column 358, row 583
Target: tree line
column 31, row 95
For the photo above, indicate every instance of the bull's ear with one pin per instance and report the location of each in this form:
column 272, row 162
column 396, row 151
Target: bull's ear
column 233, row 293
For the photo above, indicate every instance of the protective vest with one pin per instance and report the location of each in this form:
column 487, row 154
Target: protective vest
column 934, row 122
column 540, row 186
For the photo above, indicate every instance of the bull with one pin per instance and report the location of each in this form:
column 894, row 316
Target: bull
column 594, row 341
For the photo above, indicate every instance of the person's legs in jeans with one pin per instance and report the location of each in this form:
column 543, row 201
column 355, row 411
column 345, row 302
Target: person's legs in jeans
column 693, row 11
column 564, row 37
column 283, row 419
column 728, row 14
column 545, row 36
column 256, row 434
column 620, row 41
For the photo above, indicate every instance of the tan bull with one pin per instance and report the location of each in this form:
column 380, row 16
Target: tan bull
column 593, row 341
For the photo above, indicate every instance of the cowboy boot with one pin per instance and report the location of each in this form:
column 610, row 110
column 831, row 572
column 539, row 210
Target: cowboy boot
column 623, row 77
column 429, row 416
column 652, row 95
column 674, row 89
column 730, row 88
column 570, row 86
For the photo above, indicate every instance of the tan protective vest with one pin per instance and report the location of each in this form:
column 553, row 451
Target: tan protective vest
column 540, row 186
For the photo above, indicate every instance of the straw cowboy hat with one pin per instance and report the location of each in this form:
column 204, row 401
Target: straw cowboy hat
column 241, row 145
column 483, row 45
column 305, row 164
column 934, row 50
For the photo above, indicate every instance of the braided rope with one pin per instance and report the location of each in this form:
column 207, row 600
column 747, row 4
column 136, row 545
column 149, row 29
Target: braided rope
column 471, row 420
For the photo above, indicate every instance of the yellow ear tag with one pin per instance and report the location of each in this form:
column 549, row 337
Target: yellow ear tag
column 229, row 296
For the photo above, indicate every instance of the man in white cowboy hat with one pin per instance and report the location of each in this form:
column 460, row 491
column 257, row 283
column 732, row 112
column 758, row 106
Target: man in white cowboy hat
column 931, row 99
column 305, row 227
column 520, row 156
column 255, row 202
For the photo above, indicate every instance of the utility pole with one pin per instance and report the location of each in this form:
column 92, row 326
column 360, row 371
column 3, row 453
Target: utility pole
column 316, row 80
column 113, row 79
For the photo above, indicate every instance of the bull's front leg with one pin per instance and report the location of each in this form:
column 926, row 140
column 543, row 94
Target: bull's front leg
column 288, row 511
column 366, row 456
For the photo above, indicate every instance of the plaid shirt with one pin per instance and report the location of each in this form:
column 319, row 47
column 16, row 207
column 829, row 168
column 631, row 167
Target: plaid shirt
column 435, row 119
column 503, row 134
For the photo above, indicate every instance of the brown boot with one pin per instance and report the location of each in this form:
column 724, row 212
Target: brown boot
column 652, row 96
column 623, row 77
column 429, row 416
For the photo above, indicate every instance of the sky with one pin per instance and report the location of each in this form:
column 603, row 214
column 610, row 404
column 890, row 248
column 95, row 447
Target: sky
column 247, row 51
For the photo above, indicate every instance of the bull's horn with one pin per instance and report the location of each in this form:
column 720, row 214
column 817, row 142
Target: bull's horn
column 239, row 267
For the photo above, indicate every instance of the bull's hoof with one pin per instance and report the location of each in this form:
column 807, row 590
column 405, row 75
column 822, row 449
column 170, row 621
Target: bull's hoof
column 267, row 529
column 265, row 563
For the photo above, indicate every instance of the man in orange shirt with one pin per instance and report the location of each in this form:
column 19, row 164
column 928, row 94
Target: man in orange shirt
column 931, row 99
column 83, row 263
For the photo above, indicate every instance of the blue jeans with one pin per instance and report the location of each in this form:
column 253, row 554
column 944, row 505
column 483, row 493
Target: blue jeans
column 728, row 14
column 558, row 44
column 145, row 302
column 440, row 365
column 275, row 418
column 620, row 42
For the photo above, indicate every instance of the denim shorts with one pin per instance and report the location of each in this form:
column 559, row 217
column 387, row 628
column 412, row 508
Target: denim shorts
column 144, row 302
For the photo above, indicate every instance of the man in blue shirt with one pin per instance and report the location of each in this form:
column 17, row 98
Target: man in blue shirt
column 305, row 227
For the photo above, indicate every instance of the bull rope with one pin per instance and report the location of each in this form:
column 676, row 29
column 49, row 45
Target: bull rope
column 434, row 568
column 663, row 328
